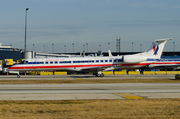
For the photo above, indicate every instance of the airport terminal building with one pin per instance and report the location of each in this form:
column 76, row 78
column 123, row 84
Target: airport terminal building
column 7, row 52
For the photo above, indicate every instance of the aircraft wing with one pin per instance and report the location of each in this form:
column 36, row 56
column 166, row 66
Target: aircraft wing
column 95, row 69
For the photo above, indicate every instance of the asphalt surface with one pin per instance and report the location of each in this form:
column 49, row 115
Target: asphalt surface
column 53, row 77
column 87, row 91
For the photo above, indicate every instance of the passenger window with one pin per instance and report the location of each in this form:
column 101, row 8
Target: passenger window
column 46, row 62
column 92, row 61
column 119, row 60
column 106, row 60
column 74, row 61
column 56, row 62
column 101, row 60
column 97, row 60
column 110, row 60
column 51, row 62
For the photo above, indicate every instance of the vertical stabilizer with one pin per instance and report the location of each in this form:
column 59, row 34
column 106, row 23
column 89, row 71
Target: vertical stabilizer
column 155, row 51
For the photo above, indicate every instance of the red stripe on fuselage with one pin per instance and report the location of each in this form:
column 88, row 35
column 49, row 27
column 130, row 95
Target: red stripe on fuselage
column 73, row 66
column 166, row 63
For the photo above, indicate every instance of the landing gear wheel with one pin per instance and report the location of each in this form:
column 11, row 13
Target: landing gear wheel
column 18, row 76
column 99, row 75
column 102, row 75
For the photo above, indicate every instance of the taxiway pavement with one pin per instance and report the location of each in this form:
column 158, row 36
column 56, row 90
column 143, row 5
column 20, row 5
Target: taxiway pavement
column 89, row 91
column 59, row 77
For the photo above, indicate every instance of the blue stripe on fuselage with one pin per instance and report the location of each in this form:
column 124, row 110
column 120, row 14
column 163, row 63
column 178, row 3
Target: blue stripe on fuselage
column 152, row 59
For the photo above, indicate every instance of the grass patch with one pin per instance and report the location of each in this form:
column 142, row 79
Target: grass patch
column 80, row 109
column 88, row 81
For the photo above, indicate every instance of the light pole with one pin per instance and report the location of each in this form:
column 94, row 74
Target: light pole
column 118, row 44
column 87, row 47
column 53, row 47
column 33, row 47
column 174, row 48
column 109, row 46
column 73, row 47
column 83, row 48
column 132, row 46
column 25, row 28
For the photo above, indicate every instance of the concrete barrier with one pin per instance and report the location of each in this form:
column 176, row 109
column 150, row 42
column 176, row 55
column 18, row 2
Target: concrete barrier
column 46, row 73
column 107, row 72
column 120, row 72
column 172, row 72
column 134, row 72
column 149, row 72
column 178, row 72
column 60, row 73
column 161, row 72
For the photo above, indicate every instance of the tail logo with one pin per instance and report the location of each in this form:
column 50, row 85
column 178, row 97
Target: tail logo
column 155, row 49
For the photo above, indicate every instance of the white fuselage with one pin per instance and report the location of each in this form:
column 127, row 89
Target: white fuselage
column 77, row 64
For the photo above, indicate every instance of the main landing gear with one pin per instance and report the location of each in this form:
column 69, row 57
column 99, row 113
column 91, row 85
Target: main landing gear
column 18, row 76
column 99, row 74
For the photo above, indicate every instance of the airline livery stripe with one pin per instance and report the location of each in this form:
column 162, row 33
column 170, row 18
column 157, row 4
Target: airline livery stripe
column 166, row 63
column 74, row 66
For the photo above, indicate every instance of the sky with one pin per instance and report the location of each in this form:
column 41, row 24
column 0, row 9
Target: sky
column 92, row 22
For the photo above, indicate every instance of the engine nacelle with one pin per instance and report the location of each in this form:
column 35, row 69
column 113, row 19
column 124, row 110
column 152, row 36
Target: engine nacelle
column 133, row 58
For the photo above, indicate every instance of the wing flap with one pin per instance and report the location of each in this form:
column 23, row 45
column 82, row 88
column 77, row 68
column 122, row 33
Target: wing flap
column 95, row 69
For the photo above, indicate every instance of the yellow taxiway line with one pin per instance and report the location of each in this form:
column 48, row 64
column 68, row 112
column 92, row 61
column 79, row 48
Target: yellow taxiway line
column 130, row 96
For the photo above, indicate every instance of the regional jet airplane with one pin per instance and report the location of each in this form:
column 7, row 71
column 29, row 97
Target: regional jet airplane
column 94, row 64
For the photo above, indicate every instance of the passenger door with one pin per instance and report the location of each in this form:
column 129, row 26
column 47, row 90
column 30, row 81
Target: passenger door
column 34, row 65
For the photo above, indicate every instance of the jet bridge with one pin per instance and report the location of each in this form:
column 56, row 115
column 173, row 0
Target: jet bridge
column 32, row 54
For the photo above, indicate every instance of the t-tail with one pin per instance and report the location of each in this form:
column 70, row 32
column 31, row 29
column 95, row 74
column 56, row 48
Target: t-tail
column 153, row 54
column 156, row 49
